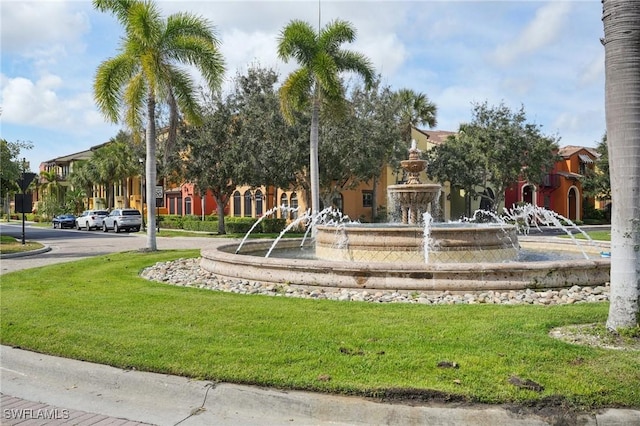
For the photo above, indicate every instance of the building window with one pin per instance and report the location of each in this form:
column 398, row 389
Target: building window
column 172, row 205
column 367, row 198
column 294, row 205
column 187, row 206
column 248, row 210
column 259, row 205
column 284, row 203
column 237, row 205
column 338, row 202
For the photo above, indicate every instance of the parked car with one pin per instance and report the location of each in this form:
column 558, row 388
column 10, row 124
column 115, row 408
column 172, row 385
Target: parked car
column 91, row 219
column 122, row 219
column 64, row 221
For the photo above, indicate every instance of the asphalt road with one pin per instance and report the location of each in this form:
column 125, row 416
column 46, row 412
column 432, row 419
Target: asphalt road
column 69, row 244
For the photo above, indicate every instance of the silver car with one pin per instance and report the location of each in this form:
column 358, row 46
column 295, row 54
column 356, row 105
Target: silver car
column 122, row 219
column 91, row 219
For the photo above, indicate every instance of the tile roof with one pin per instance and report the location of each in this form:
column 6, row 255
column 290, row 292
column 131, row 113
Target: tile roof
column 436, row 136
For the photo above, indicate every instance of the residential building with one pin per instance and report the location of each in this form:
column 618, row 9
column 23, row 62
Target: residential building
column 561, row 190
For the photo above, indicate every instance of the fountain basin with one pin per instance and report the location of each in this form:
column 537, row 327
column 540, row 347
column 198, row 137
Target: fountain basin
column 450, row 243
column 454, row 277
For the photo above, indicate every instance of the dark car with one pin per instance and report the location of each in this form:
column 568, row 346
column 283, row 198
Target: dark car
column 64, row 221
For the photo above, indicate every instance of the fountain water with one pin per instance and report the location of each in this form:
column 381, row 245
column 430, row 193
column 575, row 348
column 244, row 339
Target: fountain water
column 409, row 256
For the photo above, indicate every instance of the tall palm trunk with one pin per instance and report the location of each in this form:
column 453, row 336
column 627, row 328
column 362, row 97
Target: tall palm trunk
column 150, row 142
column 621, row 19
column 313, row 154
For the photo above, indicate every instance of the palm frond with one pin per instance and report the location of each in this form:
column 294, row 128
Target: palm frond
column 111, row 76
column 347, row 60
column 295, row 92
column 134, row 99
column 334, row 34
column 297, row 40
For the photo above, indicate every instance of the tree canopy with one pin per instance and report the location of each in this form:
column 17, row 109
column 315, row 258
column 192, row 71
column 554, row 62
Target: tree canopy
column 495, row 150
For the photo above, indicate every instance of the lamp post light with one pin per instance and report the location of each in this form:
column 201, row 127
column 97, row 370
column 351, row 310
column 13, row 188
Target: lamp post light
column 141, row 161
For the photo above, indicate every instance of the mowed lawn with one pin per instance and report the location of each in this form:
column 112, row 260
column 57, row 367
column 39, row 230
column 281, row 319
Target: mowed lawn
column 100, row 310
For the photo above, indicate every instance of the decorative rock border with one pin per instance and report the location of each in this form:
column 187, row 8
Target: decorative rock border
column 188, row 273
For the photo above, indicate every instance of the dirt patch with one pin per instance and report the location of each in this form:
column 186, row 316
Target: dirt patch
column 595, row 335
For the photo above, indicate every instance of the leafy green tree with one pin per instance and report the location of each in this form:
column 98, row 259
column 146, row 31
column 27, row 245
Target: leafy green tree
column 317, row 81
column 453, row 161
column 497, row 148
column 273, row 153
column 10, row 165
column 622, row 107
column 208, row 158
column 356, row 146
column 597, row 183
column 147, row 71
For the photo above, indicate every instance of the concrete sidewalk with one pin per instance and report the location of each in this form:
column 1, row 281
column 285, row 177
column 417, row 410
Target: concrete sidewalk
column 56, row 391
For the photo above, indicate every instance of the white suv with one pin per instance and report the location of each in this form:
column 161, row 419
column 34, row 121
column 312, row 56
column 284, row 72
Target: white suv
column 122, row 219
column 91, row 219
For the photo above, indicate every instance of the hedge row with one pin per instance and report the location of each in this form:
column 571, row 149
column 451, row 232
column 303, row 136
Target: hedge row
column 233, row 225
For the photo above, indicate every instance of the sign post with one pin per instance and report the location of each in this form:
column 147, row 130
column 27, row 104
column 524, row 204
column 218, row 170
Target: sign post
column 25, row 202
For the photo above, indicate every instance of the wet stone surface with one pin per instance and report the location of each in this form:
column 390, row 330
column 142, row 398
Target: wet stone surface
column 187, row 273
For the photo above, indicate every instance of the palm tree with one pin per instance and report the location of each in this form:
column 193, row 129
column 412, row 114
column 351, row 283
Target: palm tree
column 147, row 72
column 82, row 177
column 415, row 109
column 621, row 19
column 317, row 80
column 50, row 183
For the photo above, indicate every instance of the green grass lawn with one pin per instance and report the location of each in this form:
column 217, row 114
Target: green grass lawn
column 100, row 310
column 9, row 244
column 595, row 235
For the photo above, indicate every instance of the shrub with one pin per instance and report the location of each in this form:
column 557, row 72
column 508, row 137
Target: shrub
column 272, row 225
column 199, row 225
column 238, row 225
column 171, row 221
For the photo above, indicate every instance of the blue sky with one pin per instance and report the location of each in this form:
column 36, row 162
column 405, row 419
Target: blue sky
column 544, row 55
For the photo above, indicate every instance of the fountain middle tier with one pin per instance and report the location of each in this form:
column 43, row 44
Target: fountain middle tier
column 399, row 243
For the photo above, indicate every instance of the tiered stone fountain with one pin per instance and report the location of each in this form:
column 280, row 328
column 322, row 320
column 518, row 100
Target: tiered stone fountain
column 412, row 240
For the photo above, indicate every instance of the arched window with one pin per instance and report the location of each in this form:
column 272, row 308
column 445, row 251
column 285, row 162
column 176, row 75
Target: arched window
column 259, row 206
column 528, row 194
column 248, row 207
column 187, row 205
column 294, row 205
column 237, row 204
column 572, row 201
column 284, row 202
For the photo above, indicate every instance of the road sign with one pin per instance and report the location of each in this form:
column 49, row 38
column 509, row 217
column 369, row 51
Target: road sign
column 159, row 191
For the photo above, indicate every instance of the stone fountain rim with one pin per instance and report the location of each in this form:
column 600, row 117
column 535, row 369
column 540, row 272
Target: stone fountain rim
column 222, row 261
column 228, row 251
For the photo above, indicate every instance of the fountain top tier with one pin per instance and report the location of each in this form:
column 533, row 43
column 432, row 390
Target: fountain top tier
column 410, row 199
column 414, row 165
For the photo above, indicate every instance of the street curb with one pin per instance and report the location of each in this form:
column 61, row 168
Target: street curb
column 25, row 253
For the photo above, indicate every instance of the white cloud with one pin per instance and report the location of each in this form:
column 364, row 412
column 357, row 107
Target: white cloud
column 540, row 32
column 37, row 104
column 28, row 25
